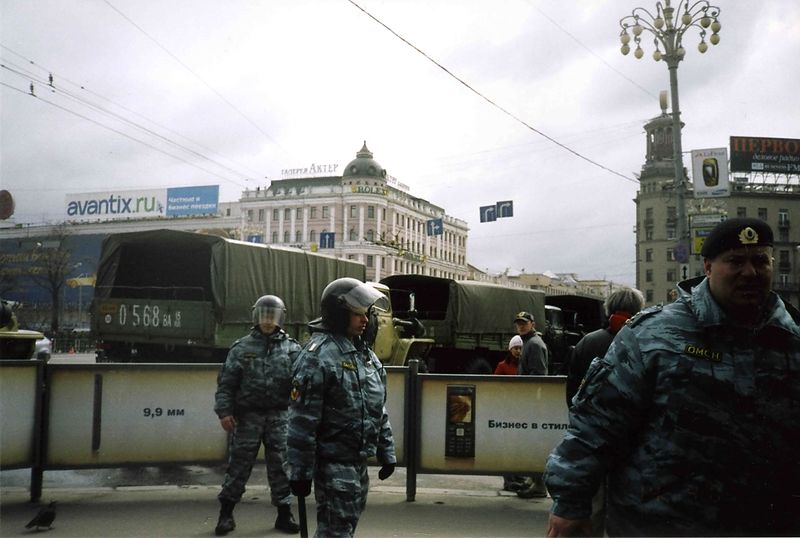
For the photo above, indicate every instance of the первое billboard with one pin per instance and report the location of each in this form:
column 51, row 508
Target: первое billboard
column 754, row 154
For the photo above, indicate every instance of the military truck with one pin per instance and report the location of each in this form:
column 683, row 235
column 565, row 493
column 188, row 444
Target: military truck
column 15, row 343
column 569, row 318
column 398, row 340
column 469, row 322
column 172, row 296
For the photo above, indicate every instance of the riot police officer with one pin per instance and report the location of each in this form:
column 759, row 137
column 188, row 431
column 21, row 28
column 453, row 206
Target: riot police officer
column 251, row 402
column 337, row 417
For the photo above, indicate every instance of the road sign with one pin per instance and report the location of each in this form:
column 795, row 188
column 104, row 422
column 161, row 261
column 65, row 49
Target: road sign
column 684, row 272
column 327, row 239
column 505, row 209
column 488, row 213
column 681, row 252
column 435, row 227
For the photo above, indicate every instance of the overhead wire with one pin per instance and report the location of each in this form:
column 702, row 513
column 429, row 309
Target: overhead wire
column 121, row 133
column 122, row 119
column 60, row 77
column 490, row 100
column 197, row 76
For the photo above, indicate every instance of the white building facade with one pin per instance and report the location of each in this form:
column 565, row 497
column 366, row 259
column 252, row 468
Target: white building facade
column 363, row 215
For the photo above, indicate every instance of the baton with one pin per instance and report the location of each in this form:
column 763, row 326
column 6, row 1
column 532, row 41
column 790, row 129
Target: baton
column 301, row 509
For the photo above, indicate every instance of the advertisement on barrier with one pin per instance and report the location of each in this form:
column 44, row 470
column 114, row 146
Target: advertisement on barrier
column 710, row 173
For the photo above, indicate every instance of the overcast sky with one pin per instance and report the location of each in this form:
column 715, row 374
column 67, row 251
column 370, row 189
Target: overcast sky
column 232, row 92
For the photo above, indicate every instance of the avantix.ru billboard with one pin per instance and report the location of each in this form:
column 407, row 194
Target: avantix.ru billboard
column 143, row 204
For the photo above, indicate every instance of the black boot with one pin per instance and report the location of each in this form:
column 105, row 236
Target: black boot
column 226, row 523
column 285, row 521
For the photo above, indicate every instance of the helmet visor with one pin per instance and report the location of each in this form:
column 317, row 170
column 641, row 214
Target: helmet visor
column 361, row 297
column 268, row 314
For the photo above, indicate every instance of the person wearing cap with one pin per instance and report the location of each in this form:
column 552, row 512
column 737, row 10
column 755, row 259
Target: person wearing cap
column 692, row 415
column 338, row 418
column 535, row 357
column 251, row 402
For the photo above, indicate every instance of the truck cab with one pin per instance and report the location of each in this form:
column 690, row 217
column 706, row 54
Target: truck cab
column 396, row 340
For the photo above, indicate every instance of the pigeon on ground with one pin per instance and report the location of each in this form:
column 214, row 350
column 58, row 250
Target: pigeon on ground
column 44, row 518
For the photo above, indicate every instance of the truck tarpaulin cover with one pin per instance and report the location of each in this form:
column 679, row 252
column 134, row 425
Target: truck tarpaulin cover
column 228, row 273
column 469, row 306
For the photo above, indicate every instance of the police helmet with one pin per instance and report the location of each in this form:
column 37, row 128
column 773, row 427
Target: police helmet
column 344, row 296
column 269, row 307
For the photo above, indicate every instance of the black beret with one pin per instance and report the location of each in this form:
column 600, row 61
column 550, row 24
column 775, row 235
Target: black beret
column 736, row 233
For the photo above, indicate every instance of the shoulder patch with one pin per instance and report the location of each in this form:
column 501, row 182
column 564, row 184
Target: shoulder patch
column 644, row 314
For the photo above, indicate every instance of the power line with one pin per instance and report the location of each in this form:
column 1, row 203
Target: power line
column 198, row 77
column 83, row 88
column 65, row 109
column 490, row 101
column 122, row 119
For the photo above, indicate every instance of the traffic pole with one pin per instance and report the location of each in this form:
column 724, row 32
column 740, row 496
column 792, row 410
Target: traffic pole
column 301, row 509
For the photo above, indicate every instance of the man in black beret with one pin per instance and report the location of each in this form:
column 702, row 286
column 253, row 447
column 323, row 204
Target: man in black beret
column 692, row 415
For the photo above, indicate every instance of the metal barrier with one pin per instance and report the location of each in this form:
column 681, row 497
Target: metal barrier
column 117, row 415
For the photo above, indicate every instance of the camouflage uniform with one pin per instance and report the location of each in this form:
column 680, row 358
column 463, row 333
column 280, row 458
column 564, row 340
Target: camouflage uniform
column 253, row 386
column 695, row 421
column 336, row 421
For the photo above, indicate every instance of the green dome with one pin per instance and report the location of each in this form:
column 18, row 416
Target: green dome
column 364, row 165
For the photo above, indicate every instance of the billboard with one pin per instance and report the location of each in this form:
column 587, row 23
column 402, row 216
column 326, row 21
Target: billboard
column 755, row 154
column 710, row 173
column 142, row 204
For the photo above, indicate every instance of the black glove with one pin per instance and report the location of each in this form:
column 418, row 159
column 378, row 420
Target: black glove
column 386, row 471
column 300, row 488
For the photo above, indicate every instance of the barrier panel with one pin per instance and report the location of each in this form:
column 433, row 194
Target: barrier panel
column 116, row 415
column 489, row 424
column 20, row 397
column 102, row 415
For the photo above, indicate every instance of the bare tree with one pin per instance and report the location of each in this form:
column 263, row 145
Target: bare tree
column 52, row 265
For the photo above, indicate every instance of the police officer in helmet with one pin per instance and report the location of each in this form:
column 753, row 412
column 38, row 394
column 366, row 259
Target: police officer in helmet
column 337, row 419
column 251, row 402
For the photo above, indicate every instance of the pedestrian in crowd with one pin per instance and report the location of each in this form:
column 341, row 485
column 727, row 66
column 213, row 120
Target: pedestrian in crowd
column 508, row 366
column 534, row 360
column 252, row 403
column 337, row 418
column 693, row 413
column 620, row 306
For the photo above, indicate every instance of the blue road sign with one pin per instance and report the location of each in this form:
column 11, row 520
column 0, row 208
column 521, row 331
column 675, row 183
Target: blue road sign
column 681, row 252
column 327, row 239
column 505, row 209
column 255, row 238
column 435, row 227
column 488, row 213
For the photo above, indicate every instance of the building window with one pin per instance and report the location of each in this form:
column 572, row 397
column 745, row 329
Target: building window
column 312, row 236
column 648, row 296
column 287, row 214
column 648, row 234
column 370, row 260
column 228, row 212
column 670, row 255
column 783, row 260
column 648, row 255
column 261, row 215
column 783, row 217
column 325, row 212
column 249, row 215
column 353, row 235
column 312, row 212
column 276, row 213
column 274, row 237
column 298, row 236
column 370, row 236
column 648, row 275
column 670, row 275
column 648, row 215
column 383, row 214
column 671, row 234
column 370, row 211
column 286, row 236
column 741, row 212
column 672, row 213
column 353, row 211
column 783, row 234
column 762, row 213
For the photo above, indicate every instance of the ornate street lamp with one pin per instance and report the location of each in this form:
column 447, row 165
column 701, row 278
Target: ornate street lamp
column 668, row 26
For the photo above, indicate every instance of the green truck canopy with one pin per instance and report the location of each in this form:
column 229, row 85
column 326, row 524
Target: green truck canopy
column 188, row 266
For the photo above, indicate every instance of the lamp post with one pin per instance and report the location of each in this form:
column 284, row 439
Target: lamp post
column 668, row 26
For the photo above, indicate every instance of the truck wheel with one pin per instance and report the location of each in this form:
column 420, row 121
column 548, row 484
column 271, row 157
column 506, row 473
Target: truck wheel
column 478, row 365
